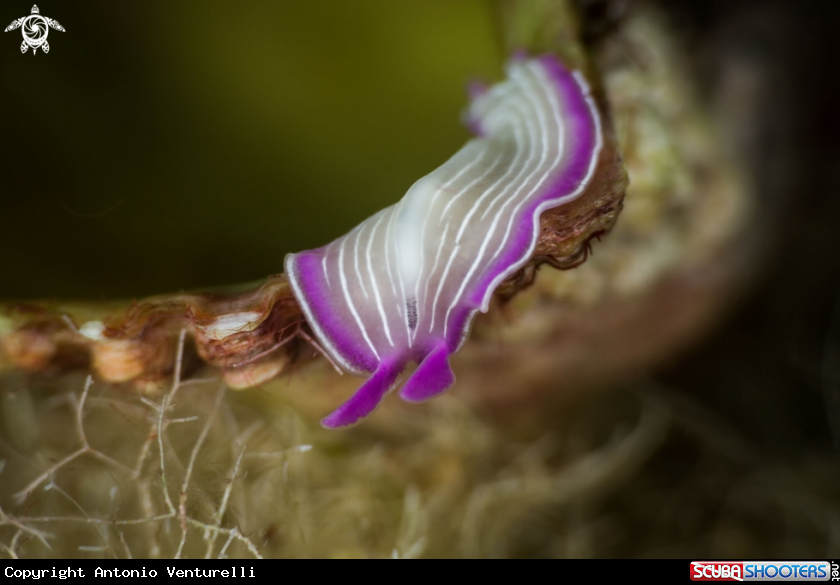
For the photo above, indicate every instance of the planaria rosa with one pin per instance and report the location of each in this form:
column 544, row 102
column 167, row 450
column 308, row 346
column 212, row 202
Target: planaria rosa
column 405, row 285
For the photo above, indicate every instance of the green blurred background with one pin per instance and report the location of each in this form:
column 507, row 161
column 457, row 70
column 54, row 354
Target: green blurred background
column 162, row 146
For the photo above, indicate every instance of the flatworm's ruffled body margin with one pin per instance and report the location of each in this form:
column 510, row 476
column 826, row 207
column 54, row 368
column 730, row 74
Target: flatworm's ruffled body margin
column 406, row 284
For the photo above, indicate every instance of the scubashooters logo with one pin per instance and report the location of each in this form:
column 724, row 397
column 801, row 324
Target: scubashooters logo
column 796, row 571
column 35, row 29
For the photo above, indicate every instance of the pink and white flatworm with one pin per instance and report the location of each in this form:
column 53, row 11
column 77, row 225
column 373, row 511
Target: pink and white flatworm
column 406, row 284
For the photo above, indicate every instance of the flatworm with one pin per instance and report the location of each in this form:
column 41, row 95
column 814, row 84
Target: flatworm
column 406, row 284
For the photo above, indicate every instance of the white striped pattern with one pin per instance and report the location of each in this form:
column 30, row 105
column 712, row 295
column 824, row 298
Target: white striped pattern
column 412, row 276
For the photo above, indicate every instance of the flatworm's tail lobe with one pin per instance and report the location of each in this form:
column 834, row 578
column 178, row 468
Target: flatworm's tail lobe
column 432, row 377
column 366, row 398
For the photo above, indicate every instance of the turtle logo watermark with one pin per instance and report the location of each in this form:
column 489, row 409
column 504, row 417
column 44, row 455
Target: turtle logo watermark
column 35, row 29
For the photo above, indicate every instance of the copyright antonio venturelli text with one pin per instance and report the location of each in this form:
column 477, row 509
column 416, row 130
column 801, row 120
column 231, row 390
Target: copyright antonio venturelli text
column 175, row 572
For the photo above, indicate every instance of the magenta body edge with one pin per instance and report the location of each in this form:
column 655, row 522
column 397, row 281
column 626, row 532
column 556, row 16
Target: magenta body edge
column 338, row 329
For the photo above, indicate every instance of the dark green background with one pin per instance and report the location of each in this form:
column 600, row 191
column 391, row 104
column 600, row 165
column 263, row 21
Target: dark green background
column 169, row 145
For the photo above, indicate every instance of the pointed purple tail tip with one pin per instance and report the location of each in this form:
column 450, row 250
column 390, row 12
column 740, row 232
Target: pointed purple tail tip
column 366, row 398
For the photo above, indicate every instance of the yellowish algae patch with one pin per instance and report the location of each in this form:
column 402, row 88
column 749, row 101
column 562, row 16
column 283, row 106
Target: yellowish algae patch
column 686, row 202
